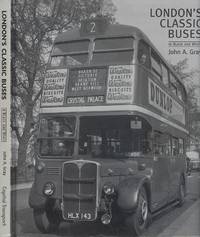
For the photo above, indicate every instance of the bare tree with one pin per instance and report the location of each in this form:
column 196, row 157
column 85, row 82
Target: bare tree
column 188, row 77
column 34, row 26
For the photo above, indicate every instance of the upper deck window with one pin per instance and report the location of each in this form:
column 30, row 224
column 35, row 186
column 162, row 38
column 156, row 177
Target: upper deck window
column 71, row 47
column 112, row 57
column 156, row 66
column 144, row 54
column 113, row 50
column 165, row 75
column 73, row 53
column 69, row 60
column 180, row 91
column 177, row 87
column 114, row 43
column 173, row 84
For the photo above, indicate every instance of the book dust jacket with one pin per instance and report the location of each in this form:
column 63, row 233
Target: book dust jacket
column 99, row 118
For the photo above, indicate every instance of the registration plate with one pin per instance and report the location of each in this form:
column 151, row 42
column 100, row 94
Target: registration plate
column 79, row 216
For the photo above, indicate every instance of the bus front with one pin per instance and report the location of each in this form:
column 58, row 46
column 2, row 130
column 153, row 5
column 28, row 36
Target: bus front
column 86, row 132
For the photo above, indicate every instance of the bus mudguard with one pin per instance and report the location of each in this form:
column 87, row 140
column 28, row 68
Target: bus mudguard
column 36, row 200
column 128, row 190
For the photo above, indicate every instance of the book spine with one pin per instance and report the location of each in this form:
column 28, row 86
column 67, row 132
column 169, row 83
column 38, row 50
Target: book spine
column 5, row 100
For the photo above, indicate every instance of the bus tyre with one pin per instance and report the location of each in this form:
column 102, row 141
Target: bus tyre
column 138, row 221
column 46, row 221
column 181, row 192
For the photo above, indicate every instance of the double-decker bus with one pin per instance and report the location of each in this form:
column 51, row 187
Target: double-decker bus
column 113, row 126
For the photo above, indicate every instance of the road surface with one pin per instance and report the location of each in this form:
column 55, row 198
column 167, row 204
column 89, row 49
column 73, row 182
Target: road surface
column 162, row 225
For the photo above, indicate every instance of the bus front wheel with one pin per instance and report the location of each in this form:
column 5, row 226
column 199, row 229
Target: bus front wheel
column 46, row 221
column 137, row 221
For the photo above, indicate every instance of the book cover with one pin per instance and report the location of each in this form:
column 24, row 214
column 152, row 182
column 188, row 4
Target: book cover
column 100, row 118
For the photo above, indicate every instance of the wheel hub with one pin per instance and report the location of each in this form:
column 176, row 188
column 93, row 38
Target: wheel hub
column 144, row 210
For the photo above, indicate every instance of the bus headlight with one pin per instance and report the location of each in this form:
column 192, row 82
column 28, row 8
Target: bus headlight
column 108, row 189
column 49, row 189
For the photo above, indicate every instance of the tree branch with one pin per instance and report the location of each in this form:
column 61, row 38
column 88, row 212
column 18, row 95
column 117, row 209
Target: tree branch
column 16, row 130
column 37, row 96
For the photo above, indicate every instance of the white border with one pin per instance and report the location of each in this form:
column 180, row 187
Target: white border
column 5, row 138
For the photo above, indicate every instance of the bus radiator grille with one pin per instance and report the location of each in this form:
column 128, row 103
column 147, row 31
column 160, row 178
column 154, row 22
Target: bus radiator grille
column 80, row 190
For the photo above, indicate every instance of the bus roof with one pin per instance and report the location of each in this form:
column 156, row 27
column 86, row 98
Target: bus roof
column 111, row 30
column 114, row 30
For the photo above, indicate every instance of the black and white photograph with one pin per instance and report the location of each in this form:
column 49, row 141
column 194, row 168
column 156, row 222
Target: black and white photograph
column 100, row 118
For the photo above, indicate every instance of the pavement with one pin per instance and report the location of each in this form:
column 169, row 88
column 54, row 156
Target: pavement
column 182, row 226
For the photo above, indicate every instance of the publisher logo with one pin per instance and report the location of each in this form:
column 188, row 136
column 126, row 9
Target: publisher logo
column 4, row 124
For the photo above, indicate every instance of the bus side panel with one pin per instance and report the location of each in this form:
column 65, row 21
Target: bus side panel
column 177, row 168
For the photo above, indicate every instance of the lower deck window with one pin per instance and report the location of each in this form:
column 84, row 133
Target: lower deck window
column 162, row 143
column 56, row 135
column 111, row 136
column 56, row 147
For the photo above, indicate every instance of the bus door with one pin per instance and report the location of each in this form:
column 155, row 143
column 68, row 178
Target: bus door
column 161, row 177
